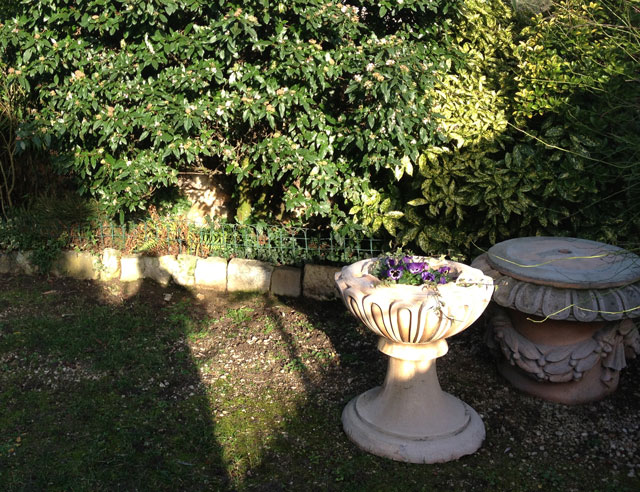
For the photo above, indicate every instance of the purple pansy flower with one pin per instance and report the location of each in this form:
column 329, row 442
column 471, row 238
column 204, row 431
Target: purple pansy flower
column 428, row 277
column 410, row 270
column 415, row 267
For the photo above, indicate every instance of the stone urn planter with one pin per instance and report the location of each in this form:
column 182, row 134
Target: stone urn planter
column 409, row 418
column 560, row 323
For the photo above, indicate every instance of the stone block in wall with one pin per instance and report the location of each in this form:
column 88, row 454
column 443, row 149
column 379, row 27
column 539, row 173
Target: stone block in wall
column 319, row 282
column 7, row 262
column 211, row 273
column 131, row 268
column 110, row 267
column 24, row 263
column 76, row 264
column 286, row 281
column 248, row 276
column 184, row 270
column 160, row 269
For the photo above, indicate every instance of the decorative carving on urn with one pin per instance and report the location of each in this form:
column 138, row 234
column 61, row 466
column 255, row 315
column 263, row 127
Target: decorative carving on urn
column 560, row 323
column 411, row 313
column 584, row 305
column 610, row 346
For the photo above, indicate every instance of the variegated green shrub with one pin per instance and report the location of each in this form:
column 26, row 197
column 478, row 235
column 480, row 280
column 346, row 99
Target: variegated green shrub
column 533, row 140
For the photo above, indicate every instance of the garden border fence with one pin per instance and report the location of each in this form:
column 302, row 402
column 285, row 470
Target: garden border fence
column 274, row 243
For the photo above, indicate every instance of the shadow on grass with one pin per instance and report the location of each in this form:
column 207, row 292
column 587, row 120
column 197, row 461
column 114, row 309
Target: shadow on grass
column 530, row 444
column 312, row 452
column 99, row 390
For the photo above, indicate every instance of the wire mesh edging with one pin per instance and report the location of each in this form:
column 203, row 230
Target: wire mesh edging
column 276, row 244
column 284, row 245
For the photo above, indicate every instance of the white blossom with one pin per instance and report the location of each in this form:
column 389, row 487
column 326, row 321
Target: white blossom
column 148, row 43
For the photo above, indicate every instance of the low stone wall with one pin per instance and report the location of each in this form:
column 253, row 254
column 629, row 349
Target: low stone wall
column 219, row 274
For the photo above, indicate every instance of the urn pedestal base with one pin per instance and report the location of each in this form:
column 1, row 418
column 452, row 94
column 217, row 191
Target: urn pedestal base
column 561, row 361
column 589, row 389
column 409, row 418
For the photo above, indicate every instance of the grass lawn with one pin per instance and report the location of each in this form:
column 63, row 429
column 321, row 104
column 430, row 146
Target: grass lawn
column 135, row 387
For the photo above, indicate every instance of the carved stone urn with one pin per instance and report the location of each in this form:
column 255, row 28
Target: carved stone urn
column 409, row 418
column 560, row 323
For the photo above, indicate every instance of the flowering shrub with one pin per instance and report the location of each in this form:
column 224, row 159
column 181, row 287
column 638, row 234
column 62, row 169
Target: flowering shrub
column 403, row 269
column 320, row 105
column 444, row 122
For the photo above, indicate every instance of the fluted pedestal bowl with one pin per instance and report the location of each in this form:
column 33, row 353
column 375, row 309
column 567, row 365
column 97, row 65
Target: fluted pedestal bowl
column 409, row 418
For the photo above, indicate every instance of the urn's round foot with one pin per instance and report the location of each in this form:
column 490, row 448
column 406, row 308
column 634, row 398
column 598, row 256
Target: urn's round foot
column 588, row 389
column 418, row 448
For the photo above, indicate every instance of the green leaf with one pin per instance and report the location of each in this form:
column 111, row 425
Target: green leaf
column 390, row 225
column 394, row 214
column 377, row 223
column 554, row 132
column 371, row 120
column 425, row 243
column 416, row 202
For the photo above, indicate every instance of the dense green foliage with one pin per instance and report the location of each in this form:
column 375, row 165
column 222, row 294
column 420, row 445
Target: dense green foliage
column 309, row 100
column 543, row 129
column 20, row 175
column 8, row 123
column 8, row 8
column 444, row 123
column 580, row 67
